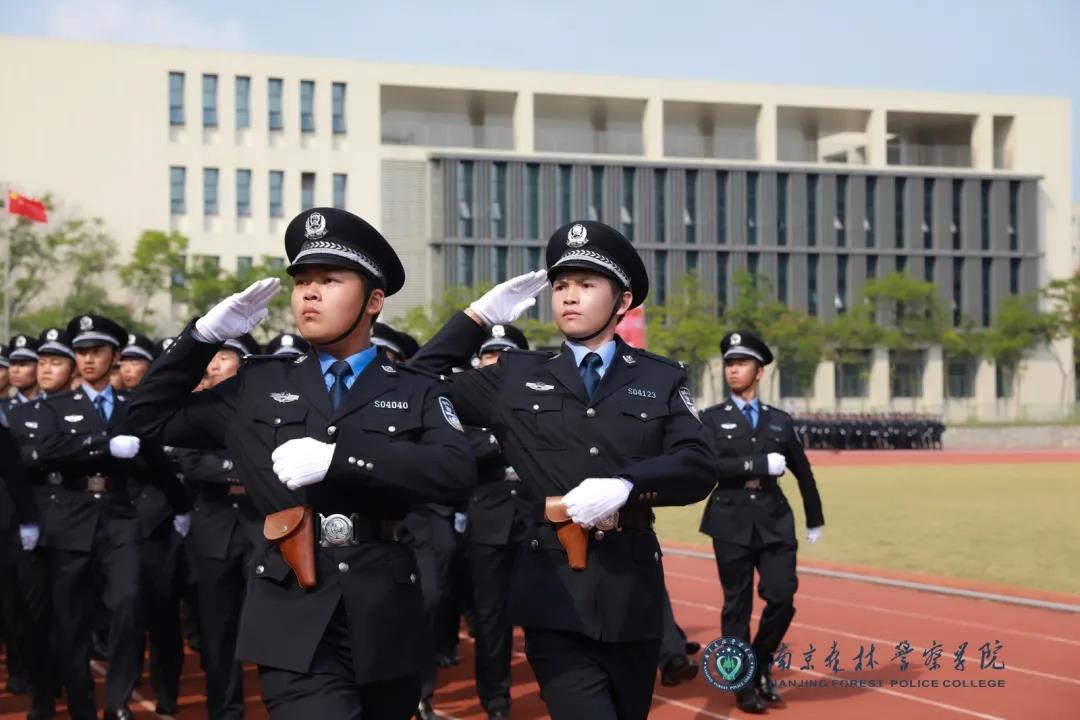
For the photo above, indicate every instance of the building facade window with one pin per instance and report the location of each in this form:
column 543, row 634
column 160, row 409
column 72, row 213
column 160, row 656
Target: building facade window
column 210, row 191
column 811, row 209
column 898, row 210
column 928, row 269
column 721, row 207
column 852, row 375
column 243, row 193
column 906, row 370
column 337, row 108
column 465, row 198
column 274, row 117
column 960, row 378
column 987, row 265
column 243, row 266
column 1014, row 276
column 781, row 208
column 243, row 102
column 466, row 263
column 870, row 212
column 751, row 208
column 277, row 191
column 563, row 193
column 871, row 267
column 596, row 193
column 176, row 98
column 1014, row 212
column 626, row 211
column 498, row 263
column 984, row 215
column 177, row 183
column 341, row 186
column 209, row 101
column 782, row 262
column 721, row 280
column 812, row 285
column 691, row 260
column 307, row 106
column 840, row 221
column 957, row 214
column 659, row 278
column 957, row 290
column 307, row 190
column 498, row 200
column 841, row 303
column 532, row 201
column 690, row 208
column 928, row 214
column 659, row 206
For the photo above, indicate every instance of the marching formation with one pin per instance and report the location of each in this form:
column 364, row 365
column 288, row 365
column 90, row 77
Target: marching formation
column 330, row 506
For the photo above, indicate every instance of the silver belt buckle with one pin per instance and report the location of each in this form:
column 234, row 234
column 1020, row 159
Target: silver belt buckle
column 95, row 483
column 54, row 478
column 608, row 522
column 337, row 530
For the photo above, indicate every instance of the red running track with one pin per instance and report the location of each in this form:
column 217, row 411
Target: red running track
column 1039, row 648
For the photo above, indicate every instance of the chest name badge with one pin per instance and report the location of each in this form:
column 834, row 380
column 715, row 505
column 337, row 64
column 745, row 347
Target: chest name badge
column 73, row 418
column 728, row 426
column 539, row 386
column 284, row 397
column 639, row 392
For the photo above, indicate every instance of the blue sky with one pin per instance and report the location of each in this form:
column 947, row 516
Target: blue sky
column 1029, row 47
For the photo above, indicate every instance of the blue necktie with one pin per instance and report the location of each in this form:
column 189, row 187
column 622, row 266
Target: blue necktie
column 748, row 411
column 340, row 370
column 99, row 403
column 590, row 372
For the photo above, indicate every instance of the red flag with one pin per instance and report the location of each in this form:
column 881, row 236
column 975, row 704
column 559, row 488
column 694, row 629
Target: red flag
column 632, row 328
column 27, row 207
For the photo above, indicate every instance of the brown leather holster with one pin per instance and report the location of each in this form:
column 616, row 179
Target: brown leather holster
column 573, row 537
column 293, row 532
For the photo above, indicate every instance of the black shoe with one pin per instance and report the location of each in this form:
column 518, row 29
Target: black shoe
column 121, row 714
column 767, row 689
column 166, row 708
column 676, row 670
column 692, row 647
column 17, row 684
column 749, row 701
column 425, row 711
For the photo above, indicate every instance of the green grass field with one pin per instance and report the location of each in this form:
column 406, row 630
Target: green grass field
column 1015, row 524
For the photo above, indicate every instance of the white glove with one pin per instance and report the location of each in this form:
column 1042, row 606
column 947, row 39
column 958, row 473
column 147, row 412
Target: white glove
column 238, row 313
column 182, row 524
column 461, row 521
column 777, row 464
column 596, row 498
column 29, row 536
column 301, row 462
column 124, row 446
column 814, row 534
column 507, row 300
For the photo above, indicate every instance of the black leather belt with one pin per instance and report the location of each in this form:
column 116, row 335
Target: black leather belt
column 96, row 483
column 339, row 530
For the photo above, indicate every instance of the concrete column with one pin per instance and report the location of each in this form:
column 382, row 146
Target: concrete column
column 933, row 397
column 982, row 143
column 653, row 128
column 524, row 128
column 766, row 134
column 879, row 380
column 876, row 140
column 985, row 391
column 825, row 387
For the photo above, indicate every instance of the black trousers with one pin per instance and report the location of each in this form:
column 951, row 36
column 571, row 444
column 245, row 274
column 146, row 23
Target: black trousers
column 115, row 556
column 28, row 618
column 220, row 588
column 776, row 564
column 329, row 689
column 434, row 552
column 673, row 642
column 491, row 566
column 584, row 678
column 161, row 555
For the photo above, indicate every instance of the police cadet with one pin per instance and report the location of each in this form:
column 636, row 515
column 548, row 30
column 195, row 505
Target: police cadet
column 599, row 434
column 332, row 446
column 225, row 530
column 497, row 521
column 5, row 379
column 91, row 523
column 161, row 542
column 22, row 374
column 748, row 517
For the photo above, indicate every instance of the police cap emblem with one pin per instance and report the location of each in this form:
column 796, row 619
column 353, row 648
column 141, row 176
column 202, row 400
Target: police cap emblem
column 736, row 339
column 20, row 342
column 315, row 227
column 52, row 334
column 578, row 236
column 498, row 331
column 131, row 339
column 286, row 341
column 86, row 323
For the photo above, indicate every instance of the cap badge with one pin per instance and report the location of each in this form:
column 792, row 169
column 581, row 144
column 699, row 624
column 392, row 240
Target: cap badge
column 736, row 339
column 498, row 331
column 20, row 342
column 86, row 323
column 315, row 227
column 578, row 236
column 52, row 334
column 131, row 339
column 286, row 341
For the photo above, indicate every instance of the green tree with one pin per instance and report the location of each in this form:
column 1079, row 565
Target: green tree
column 1019, row 330
column 912, row 308
column 685, row 327
column 157, row 258
column 423, row 321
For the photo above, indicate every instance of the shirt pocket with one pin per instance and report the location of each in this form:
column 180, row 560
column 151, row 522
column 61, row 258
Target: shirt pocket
column 394, row 426
column 277, row 426
column 645, row 422
column 537, row 421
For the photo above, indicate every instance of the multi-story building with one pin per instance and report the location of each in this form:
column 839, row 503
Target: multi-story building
column 468, row 170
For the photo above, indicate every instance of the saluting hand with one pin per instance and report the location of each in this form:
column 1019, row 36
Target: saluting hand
column 301, row 462
column 238, row 313
column 505, row 302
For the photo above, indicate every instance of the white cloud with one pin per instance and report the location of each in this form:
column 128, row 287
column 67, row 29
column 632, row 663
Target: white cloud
column 150, row 22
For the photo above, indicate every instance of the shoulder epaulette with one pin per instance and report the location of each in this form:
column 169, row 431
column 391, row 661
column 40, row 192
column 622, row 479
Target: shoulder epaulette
column 660, row 358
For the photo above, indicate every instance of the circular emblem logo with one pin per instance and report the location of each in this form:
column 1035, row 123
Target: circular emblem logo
column 131, row 339
column 20, row 342
column 315, row 227
column 86, row 323
column 52, row 334
column 286, row 341
column 578, row 236
column 337, row 530
column 736, row 339
column 729, row 664
column 498, row 331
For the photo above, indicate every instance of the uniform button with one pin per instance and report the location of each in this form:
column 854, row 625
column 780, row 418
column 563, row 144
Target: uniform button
column 331, row 430
column 753, row 496
column 352, row 461
column 277, row 421
column 369, row 466
column 535, row 545
column 728, row 437
column 753, row 439
column 97, row 496
column 656, row 556
column 391, row 429
column 343, row 567
column 236, row 506
column 594, row 451
column 599, row 535
column 591, row 412
column 513, row 492
column 641, row 496
column 536, row 407
column 412, row 578
column 260, row 569
column 644, row 416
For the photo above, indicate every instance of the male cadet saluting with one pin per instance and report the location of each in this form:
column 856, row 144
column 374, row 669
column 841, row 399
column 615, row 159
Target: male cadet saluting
column 93, row 528
column 748, row 517
column 332, row 446
column 599, row 434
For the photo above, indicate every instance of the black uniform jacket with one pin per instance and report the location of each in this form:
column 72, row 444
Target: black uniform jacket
column 640, row 425
column 733, row 512
column 398, row 442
